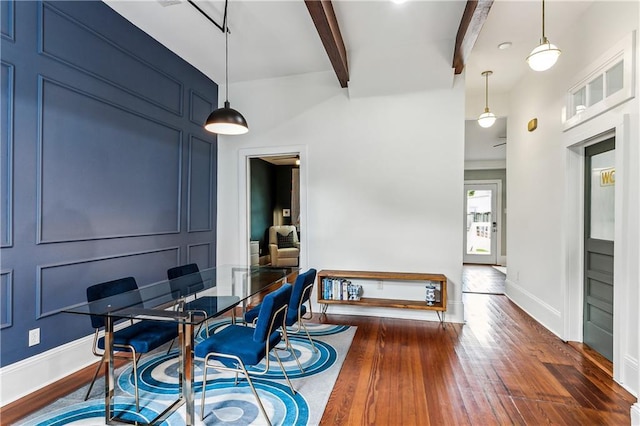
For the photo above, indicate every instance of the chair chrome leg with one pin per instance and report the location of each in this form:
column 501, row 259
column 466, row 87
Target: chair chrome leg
column 290, row 349
column 283, row 372
column 255, row 393
column 135, row 379
column 204, row 388
column 309, row 337
column 95, row 376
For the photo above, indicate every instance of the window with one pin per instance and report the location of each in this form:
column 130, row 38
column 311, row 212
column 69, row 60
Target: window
column 608, row 82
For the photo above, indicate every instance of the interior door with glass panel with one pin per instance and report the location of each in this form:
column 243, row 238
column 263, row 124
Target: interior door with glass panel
column 600, row 179
column 480, row 226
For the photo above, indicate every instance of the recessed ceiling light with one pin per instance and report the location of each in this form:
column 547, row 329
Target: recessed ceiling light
column 504, row 45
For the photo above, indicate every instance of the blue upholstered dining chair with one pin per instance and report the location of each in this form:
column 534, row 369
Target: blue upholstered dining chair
column 297, row 311
column 237, row 347
column 185, row 280
column 136, row 339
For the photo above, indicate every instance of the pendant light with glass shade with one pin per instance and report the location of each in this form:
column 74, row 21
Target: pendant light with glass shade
column 487, row 118
column 226, row 120
column 546, row 54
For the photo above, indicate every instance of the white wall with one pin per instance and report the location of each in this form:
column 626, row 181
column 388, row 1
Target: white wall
column 383, row 176
column 544, row 199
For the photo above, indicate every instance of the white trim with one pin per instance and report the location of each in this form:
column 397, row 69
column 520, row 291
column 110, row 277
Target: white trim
column 244, row 201
column 573, row 295
column 498, row 184
column 635, row 414
column 572, row 286
column 631, row 371
column 623, row 50
column 485, row 164
column 535, row 307
column 27, row 376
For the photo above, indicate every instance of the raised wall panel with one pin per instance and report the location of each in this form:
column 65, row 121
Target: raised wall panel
column 199, row 108
column 6, row 298
column 105, row 171
column 7, row 19
column 64, row 284
column 75, row 44
column 6, row 155
column 200, row 184
column 200, row 254
column 93, row 164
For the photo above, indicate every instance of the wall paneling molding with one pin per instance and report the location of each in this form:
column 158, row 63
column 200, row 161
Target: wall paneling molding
column 57, row 30
column 6, row 297
column 66, row 278
column 100, row 162
column 7, row 143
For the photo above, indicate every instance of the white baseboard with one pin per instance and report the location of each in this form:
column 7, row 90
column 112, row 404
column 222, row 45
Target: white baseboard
column 537, row 308
column 635, row 414
column 630, row 375
column 27, row 376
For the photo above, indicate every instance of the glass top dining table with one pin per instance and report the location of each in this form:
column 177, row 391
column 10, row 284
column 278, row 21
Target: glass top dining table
column 225, row 287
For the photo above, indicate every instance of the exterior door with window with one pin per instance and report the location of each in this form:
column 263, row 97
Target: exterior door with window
column 480, row 225
column 599, row 229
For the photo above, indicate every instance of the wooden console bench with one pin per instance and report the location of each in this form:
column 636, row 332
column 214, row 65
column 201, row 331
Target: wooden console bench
column 438, row 280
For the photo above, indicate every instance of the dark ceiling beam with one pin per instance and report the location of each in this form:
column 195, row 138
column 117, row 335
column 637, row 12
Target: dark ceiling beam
column 474, row 16
column 324, row 18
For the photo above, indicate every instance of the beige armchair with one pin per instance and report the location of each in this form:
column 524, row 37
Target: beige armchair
column 284, row 246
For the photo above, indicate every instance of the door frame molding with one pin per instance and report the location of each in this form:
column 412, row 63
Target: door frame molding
column 572, row 288
column 244, row 198
column 498, row 182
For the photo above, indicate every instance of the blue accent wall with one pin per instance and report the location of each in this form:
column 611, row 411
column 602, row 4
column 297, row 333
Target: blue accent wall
column 263, row 201
column 270, row 191
column 105, row 168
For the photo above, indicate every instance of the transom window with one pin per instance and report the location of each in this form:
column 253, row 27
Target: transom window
column 605, row 84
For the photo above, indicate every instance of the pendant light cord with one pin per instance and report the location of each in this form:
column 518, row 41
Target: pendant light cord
column 226, row 51
column 486, row 91
column 543, row 36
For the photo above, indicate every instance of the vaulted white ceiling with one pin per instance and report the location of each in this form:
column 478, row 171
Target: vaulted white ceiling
column 391, row 47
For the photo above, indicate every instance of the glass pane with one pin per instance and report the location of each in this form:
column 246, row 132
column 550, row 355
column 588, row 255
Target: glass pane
column 596, row 90
column 579, row 101
column 479, row 222
column 603, row 179
column 615, row 78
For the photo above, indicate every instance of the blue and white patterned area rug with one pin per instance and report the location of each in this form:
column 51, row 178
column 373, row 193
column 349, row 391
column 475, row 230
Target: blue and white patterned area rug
column 225, row 403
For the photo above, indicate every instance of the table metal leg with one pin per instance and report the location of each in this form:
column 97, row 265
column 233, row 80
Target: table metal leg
column 109, row 380
column 186, row 355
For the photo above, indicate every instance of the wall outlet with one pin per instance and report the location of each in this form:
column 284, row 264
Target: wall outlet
column 34, row 337
column 379, row 285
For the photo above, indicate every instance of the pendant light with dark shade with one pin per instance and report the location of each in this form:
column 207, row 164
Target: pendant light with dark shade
column 546, row 54
column 226, row 120
column 487, row 118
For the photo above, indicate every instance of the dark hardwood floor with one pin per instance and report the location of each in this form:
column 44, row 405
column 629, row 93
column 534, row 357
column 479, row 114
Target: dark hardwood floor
column 501, row 367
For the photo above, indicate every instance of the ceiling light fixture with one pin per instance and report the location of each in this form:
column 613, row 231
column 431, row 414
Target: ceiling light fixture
column 226, row 120
column 487, row 118
column 504, row 45
column 546, row 54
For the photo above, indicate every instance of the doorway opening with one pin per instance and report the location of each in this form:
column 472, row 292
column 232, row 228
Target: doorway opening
column 273, row 209
column 481, row 233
